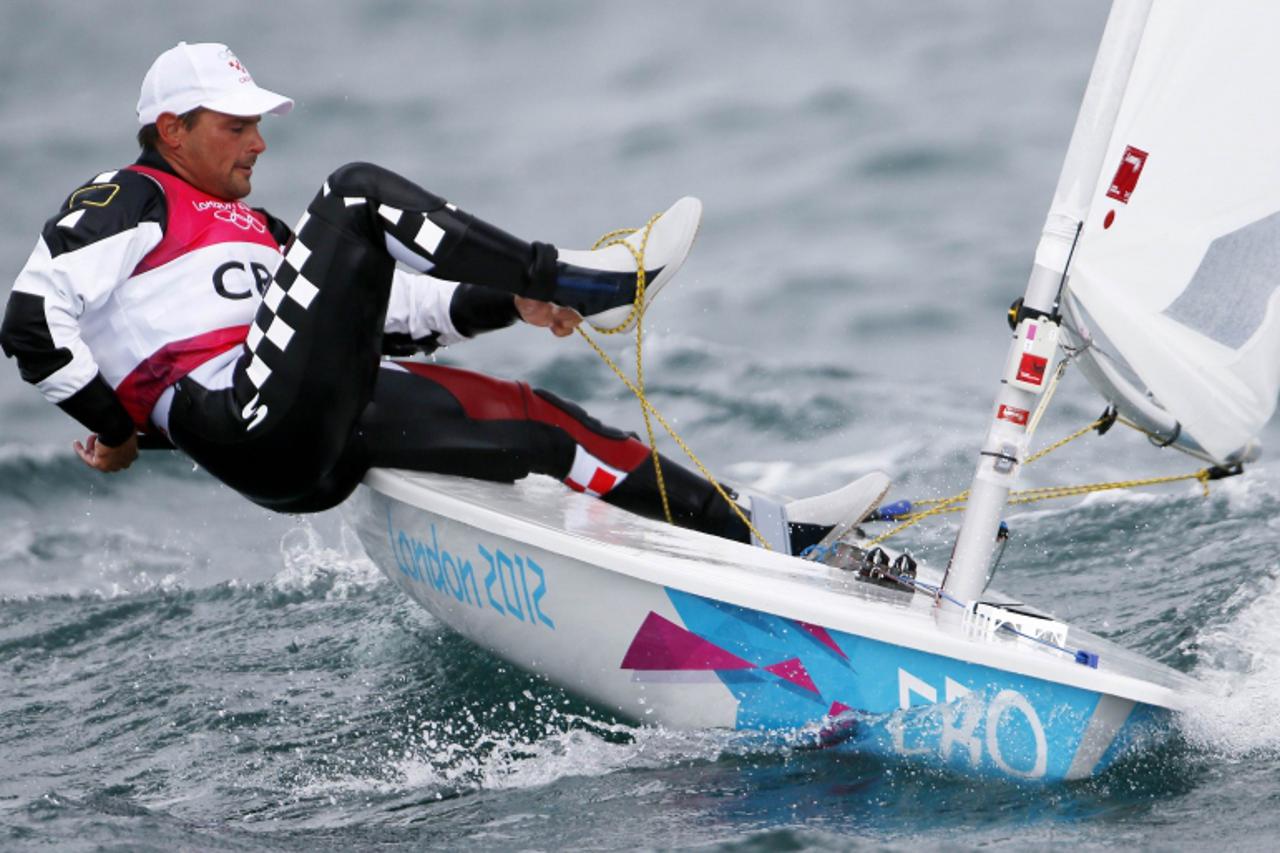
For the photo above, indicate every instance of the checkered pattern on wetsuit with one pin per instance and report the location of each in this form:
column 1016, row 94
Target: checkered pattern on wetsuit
column 292, row 289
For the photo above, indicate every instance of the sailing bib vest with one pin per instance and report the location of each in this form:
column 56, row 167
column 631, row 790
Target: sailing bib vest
column 190, row 299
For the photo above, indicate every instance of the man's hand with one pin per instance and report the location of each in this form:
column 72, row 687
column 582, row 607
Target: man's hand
column 562, row 321
column 107, row 459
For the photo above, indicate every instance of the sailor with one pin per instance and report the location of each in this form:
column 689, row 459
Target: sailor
column 157, row 302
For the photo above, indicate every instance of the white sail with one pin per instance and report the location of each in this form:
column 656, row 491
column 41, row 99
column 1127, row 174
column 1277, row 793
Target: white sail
column 1010, row 429
column 1094, row 125
column 1178, row 263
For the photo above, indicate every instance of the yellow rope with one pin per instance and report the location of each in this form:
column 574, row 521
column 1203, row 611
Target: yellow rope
column 956, row 503
column 942, row 506
column 618, row 238
column 647, row 406
column 1064, row 442
column 1045, row 493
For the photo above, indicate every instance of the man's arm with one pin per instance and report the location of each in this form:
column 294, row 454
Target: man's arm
column 87, row 249
column 426, row 313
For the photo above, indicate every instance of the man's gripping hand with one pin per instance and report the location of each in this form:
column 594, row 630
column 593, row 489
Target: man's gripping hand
column 107, row 459
column 562, row 321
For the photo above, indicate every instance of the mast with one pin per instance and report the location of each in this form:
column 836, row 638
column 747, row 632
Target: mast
column 1035, row 338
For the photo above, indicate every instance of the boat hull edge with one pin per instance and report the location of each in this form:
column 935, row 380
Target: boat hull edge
column 659, row 655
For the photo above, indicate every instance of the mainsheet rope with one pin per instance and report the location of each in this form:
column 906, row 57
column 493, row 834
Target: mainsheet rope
column 618, row 238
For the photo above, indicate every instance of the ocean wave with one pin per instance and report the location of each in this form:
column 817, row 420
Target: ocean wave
column 31, row 473
column 448, row 758
column 36, row 474
column 87, row 561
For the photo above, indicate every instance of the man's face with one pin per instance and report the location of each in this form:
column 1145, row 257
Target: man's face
column 217, row 153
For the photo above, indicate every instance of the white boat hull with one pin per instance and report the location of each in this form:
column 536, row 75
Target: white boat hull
column 665, row 626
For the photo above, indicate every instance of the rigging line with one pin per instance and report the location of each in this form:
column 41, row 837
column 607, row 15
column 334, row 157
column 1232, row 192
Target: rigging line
column 1045, row 493
column 1049, row 390
column 1062, row 442
column 944, row 505
column 955, row 503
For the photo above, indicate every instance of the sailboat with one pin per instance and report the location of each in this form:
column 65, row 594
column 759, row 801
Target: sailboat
column 1154, row 273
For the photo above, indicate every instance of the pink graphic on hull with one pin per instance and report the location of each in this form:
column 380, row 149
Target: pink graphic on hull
column 821, row 635
column 837, row 731
column 660, row 644
column 793, row 670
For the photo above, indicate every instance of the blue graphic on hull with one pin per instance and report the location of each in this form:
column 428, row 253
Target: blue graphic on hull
column 908, row 703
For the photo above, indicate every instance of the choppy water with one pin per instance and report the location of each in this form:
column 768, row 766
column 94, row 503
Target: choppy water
column 179, row 669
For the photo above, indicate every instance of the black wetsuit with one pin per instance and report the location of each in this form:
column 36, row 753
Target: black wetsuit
column 309, row 405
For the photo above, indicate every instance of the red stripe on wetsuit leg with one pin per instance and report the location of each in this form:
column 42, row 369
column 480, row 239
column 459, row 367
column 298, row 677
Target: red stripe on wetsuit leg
column 146, row 382
column 485, row 398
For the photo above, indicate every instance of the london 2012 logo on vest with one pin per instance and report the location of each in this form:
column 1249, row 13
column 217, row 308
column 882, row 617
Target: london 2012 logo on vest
column 242, row 219
column 233, row 213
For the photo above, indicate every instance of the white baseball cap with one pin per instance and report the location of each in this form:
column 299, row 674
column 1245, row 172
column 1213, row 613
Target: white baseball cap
column 204, row 75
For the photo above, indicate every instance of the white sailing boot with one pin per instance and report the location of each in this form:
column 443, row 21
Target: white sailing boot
column 601, row 284
column 835, row 514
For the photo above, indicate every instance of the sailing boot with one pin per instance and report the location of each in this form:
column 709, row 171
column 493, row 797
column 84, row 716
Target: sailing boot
column 820, row 520
column 789, row 527
column 601, row 284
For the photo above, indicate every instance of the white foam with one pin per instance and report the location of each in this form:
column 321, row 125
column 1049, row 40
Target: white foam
column 446, row 757
column 583, row 753
column 310, row 564
column 1238, row 715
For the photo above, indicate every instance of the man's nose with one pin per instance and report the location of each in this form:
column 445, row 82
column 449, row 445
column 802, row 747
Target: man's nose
column 256, row 143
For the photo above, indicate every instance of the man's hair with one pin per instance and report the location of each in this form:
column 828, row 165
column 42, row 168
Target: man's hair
column 149, row 135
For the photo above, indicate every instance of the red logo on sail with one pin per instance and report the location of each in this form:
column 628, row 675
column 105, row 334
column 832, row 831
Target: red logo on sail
column 1127, row 175
column 1013, row 415
column 1031, row 369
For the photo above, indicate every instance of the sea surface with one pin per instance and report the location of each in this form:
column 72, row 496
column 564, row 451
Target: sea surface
column 182, row 670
